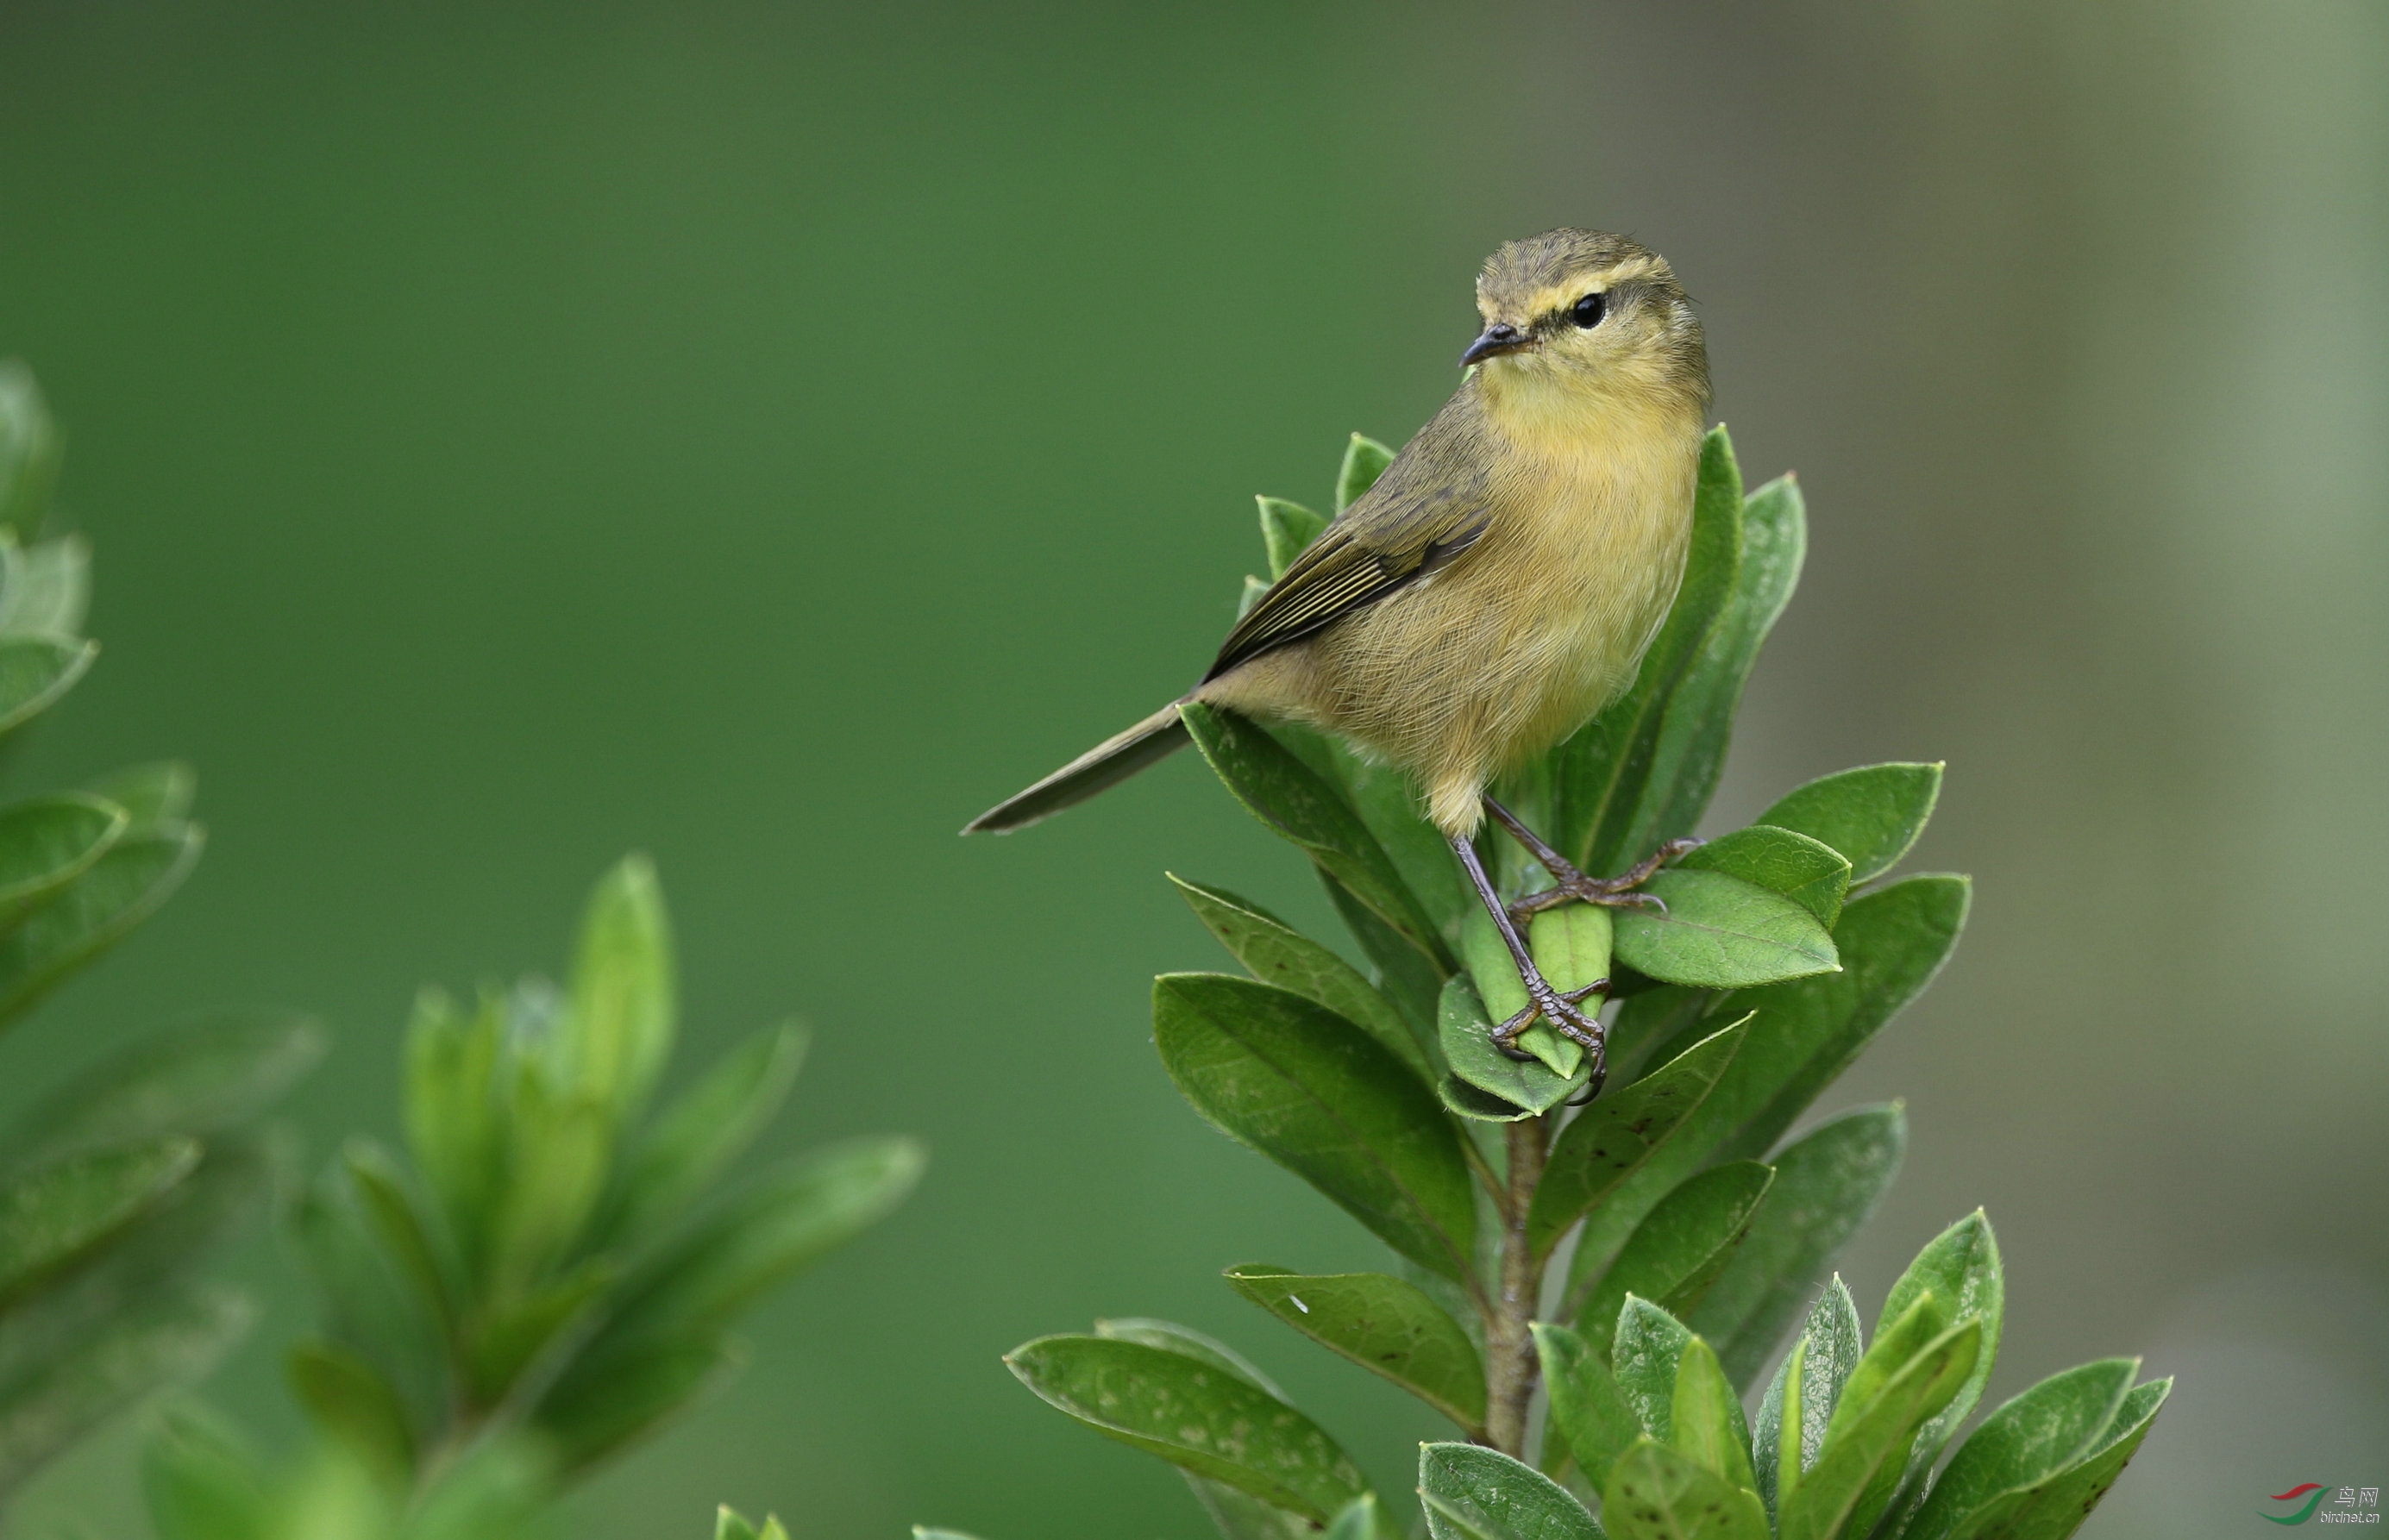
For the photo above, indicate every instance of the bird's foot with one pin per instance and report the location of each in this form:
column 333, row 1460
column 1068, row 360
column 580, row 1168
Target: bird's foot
column 1572, row 887
column 1559, row 1008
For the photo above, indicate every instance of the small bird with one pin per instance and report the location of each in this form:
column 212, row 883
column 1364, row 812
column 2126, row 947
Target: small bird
column 1498, row 585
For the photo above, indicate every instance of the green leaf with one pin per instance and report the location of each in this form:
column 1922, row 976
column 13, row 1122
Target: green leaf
column 1706, row 1426
column 1276, row 953
column 1961, row 1268
column 53, row 1215
column 170, row 1341
column 48, row 589
column 1810, row 872
column 519, row 1335
column 1359, row 1521
column 203, row 1481
column 35, row 671
column 597, row 1407
column 1721, row 933
column 1318, row 1096
column 1871, row 815
column 729, row 1525
column 1406, row 976
column 705, row 1128
column 1893, row 940
column 93, row 913
column 1187, row 1342
column 1587, row 1406
column 153, row 793
column 784, row 1222
column 1364, row 460
column 1657, row 1493
column 1603, row 772
column 454, row 1126
column 1679, row 1250
column 1527, row 1085
column 48, row 842
column 1289, row 797
column 2027, row 1443
column 201, row 1079
column 1621, row 1132
column 1384, row 1325
column 1286, row 528
column 1651, row 1027
column 622, row 991
column 1193, row 1415
column 348, row 1398
column 29, row 451
column 1647, row 1351
column 1829, row 1348
column 1472, row 1493
column 928, row 1531
column 1571, row 944
column 395, row 1220
column 559, row 1146
column 1868, row 1441
column 2055, row 1508
column 1826, row 1184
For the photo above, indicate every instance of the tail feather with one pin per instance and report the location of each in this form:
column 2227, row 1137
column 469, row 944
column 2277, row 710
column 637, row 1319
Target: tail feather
column 1101, row 767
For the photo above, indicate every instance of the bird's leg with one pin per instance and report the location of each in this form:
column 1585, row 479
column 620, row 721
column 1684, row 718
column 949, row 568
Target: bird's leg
column 1554, row 1005
column 1570, row 885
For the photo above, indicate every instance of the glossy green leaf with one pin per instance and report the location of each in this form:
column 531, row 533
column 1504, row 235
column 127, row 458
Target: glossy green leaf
column 1588, row 1408
column 93, row 913
column 1826, row 1184
column 1364, row 460
column 48, row 842
column 604, row 1403
column 2055, row 1508
column 53, row 1215
column 35, row 671
column 1644, row 1355
column 1215, row 1424
column 1527, row 1085
column 1867, row 1443
column 1277, row 953
column 1571, row 944
column 1238, row 1514
column 1681, row 1248
column 1361, row 1520
column 169, row 1342
column 348, row 1398
column 29, row 451
column 1652, row 1025
column 1406, row 976
column 1893, row 940
column 1382, row 1324
column 1621, row 1132
column 1871, row 815
column 2026, row 1443
column 705, row 1128
column 1290, row 797
column 200, row 1078
column 1254, row 591
column 1603, row 772
column 152, row 794
column 1387, row 801
column 48, row 588
column 1187, row 1342
column 1656, row 1493
column 622, row 991
column 1810, row 872
column 1961, row 1268
column 1318, row 1096
column 1829, row 1347
column 1719, row 932
column 1286, row 528
column 1706, row 1425
column 1472, row 1493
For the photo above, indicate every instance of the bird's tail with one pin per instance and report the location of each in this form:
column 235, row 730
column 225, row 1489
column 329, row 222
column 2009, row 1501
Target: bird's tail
column 1102, row 767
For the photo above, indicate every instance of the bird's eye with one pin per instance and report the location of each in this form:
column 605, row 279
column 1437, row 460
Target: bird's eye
column 1588, row 312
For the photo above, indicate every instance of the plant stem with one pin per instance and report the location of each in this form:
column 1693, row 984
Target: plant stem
column 1510, row 1362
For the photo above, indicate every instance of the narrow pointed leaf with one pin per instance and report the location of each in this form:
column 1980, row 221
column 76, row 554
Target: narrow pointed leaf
column 201, row 1079
column 1646, row 1353
column 1678, row 1251
column 696, row 1138
column 1871, row 815
column 1364, row 460
column 1382, row 1324
column 1286, row 528
column 1193, row 1415
column 1406, row 976
column 1656, row 1493
column 1960, row 1267
column 1620, row 1134
column 1466, row 1040
column 1587, row 1406
column 1290, row 797
column 2026, row 1443
column 31, row 450
column 350, row 1399
column 1868, row 1443
column 93, row 913
column 54, row 1215
column 601, row 1405
column 35, row 671
column 1277, row 953
column 1706, row 1424
column 1318, row 1096
column 622, row 991
column 152, row 794
column 48, row 842
column 1472, row 1493
column 1719, row 932
column 2054, row 1508
column 1238, row 1514
column 729, row 1525
column 1805, row 871
column 1830, row 1347
column 48, row 589
column 1826, row 1184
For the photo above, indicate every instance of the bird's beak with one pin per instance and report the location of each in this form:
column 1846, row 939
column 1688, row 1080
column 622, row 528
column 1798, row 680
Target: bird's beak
column 1498, row 338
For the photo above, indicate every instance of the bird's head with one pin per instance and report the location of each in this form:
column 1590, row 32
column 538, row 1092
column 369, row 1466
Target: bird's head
column 1580, row 312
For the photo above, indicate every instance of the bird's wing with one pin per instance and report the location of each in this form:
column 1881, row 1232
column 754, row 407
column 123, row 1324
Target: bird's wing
column 1415, row 519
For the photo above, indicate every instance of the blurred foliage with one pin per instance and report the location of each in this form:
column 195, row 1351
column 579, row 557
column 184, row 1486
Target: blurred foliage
column 115, row 1186
column 1638, row 1245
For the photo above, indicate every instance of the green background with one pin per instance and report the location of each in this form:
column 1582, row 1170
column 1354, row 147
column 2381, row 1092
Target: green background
column 764, row 437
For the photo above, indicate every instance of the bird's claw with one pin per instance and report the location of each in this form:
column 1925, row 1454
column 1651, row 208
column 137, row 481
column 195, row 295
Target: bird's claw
column 1559, row 1008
